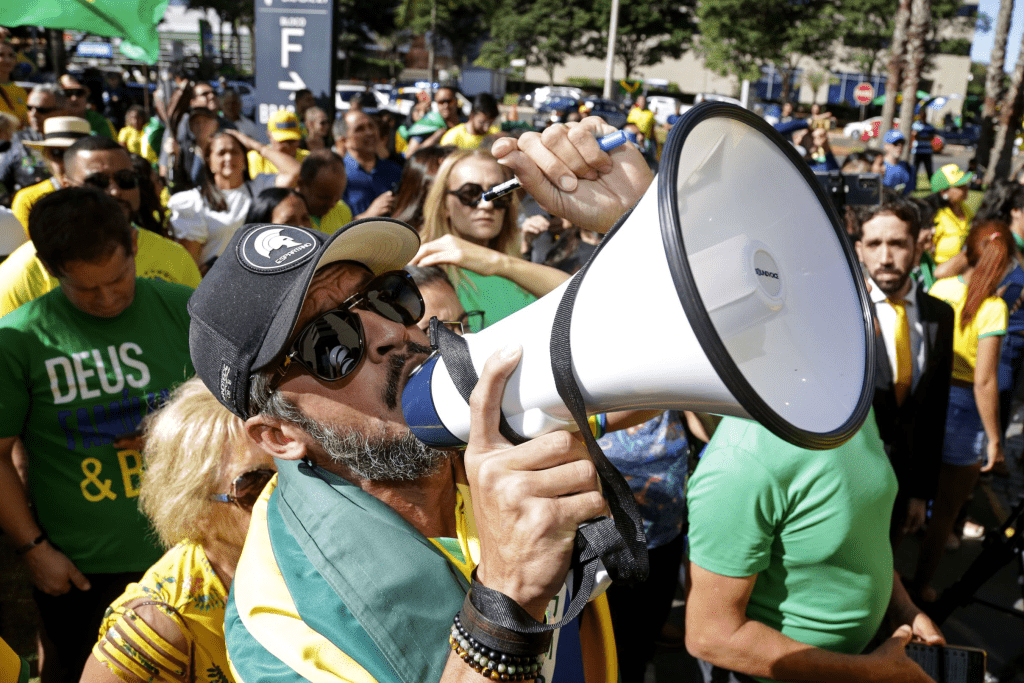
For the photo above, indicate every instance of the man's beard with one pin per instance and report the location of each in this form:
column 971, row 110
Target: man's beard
column 891, row 287
column 375, row 457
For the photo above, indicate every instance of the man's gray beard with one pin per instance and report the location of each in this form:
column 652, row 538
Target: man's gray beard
column 375, row 457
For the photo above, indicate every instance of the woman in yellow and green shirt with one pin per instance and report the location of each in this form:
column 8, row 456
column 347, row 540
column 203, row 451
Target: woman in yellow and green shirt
column 973, row 434
column 201, row 482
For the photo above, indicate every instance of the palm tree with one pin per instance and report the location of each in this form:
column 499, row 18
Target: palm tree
column 920, row 16
column 896, row 57
column 994, row 81
column 1009, row 116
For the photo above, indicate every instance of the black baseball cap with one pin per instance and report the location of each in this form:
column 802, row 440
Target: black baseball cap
column 245, row 308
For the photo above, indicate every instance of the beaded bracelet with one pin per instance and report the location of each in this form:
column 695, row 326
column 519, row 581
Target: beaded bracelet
column 498, row 666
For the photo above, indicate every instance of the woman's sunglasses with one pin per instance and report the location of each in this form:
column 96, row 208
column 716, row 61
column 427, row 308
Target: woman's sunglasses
column 470, row 195
column 331, row 345
column 246, row 488
column 125, row 179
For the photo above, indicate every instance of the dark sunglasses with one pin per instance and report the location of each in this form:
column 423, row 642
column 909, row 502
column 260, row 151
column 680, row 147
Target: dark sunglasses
column 246, row 489
column 73, row 92
column 125, row 179
column 55, row 153
column 470, row 195
column 444, row 101
column 42, row 110
column 331, row 345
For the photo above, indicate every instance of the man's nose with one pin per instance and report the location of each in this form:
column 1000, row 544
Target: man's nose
column 381, row 335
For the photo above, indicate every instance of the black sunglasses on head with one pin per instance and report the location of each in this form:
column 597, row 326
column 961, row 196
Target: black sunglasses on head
column 74, row 92
column 125, row 179
column 246, row 488
column 331, row 345
column 471, row 194
column 41, row 110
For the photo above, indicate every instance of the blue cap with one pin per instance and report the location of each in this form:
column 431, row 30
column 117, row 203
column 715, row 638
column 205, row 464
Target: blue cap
column 894, row 137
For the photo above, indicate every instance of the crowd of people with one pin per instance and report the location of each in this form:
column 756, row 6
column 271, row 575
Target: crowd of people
column 204, row 462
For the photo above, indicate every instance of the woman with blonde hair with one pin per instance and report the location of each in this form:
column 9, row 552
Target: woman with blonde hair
column 201, row 481
column 478, row 241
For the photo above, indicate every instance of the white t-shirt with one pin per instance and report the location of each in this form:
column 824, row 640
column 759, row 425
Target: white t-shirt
column 192, row 220
column 12, row 232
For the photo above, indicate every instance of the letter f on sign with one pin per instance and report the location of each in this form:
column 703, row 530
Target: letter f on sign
column 288, row 46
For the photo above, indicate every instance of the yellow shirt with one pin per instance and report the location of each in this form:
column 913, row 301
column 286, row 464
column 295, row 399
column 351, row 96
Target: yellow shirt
column 989, row 321
column 950, row 232
column 23, row 277
column 463, row 139
column 339, row 216
column 259, row 164
column 131, row 139
column 14, row 100
column 185, row 588
column 644, row 120
column 26, row 198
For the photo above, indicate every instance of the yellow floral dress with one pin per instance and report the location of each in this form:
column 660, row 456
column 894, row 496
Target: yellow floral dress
column 184, row 587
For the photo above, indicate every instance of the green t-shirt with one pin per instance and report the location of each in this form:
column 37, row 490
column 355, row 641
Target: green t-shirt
column 73, row 384
column 494, row 295
column 813, row 526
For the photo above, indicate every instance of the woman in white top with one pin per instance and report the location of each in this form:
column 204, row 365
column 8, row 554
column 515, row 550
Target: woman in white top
column 204, row 219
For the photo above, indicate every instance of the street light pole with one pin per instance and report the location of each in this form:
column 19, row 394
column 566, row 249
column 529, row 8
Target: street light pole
column 609, row 65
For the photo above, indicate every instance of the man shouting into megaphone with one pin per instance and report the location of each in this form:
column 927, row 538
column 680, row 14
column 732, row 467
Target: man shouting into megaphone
column 361, row 551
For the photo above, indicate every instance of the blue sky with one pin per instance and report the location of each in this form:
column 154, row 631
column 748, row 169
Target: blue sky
column 982, row 47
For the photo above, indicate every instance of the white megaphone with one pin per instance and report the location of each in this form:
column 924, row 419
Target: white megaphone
column 730, row 288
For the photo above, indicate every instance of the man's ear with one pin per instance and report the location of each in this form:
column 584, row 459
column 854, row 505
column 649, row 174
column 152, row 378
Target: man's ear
column 856, row 247
column 277, row 438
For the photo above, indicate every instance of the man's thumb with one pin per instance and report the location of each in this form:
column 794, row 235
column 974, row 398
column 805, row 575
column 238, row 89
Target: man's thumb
column 903, row 634
column 78, row 578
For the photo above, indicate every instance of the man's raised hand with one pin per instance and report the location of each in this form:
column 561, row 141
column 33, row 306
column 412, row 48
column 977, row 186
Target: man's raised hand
column 528, row 500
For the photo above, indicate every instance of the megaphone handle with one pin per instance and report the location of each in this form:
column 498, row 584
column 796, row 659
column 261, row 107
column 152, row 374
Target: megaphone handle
column 459, row 363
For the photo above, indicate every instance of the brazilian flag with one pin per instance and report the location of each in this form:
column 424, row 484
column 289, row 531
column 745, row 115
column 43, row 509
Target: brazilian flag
column 133, row 20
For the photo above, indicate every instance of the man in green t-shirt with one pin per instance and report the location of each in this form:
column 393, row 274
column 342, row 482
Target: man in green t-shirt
column 790, row 562
column 81, row 366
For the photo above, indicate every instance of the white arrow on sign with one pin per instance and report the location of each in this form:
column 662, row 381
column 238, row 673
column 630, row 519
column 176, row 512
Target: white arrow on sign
column 294, row 85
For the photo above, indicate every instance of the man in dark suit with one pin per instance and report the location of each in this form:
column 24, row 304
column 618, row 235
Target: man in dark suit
column 914, row 341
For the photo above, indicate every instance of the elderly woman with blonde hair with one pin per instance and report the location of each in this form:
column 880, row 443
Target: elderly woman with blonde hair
column 201, row 481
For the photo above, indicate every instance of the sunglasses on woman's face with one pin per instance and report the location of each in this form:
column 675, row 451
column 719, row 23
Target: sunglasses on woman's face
column 471, row 194
column 331, row 345
column 125, row 179
column 246, row 488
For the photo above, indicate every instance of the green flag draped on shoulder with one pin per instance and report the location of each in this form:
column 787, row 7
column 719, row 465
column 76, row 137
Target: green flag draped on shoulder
column 133, row 20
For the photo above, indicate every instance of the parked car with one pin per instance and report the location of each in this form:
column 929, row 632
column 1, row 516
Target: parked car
column 544, row 93
column 344, row 93
column 966, row 136
column 609, row 110
column 664, row 106
column 865, row 130
column 713, row 97
column 549, row 108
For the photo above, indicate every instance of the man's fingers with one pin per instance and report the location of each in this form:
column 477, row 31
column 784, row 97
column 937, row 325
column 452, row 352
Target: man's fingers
column 582, row 507
column 585, row 139
column 485, row 401
column 553, row 168
column 557, row 139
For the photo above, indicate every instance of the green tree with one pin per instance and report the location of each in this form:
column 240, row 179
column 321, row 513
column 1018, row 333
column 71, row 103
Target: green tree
column 543, row 32
column 459, row 22
column 738, row 37
column 358, row 23
column 649, row 31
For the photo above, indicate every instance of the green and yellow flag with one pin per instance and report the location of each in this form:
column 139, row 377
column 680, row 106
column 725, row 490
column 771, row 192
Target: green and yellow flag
column 133, row 20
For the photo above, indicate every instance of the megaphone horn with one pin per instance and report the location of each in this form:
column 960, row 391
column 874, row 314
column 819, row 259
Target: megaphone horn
column 730, row 288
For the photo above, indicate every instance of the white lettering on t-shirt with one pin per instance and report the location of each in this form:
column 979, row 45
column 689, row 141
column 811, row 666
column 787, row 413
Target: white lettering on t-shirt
column 82, row 374
column 69, row 380
column 143, row 369
column 101, row 370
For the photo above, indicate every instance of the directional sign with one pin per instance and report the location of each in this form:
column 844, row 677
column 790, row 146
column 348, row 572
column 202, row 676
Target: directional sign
column 863, row 93
column 296, row 48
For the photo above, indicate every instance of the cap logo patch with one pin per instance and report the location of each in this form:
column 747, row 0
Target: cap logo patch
column 273, row 249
